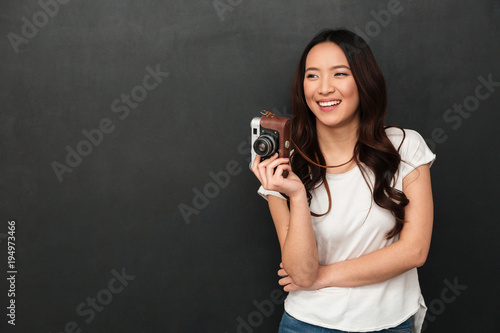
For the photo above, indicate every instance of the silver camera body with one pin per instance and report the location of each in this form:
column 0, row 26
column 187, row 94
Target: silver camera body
column 255, row 127
column 270, row 135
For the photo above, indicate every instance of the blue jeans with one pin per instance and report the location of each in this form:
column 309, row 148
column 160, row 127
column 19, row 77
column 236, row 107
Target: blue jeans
column 292, row 325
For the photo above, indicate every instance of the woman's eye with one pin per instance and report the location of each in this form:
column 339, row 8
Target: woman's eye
column 341, row 74
column 311, row 76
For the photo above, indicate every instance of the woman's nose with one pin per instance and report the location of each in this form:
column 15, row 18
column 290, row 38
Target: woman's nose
column 326, row 86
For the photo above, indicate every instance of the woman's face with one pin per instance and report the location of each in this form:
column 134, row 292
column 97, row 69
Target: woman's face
column 329, row 87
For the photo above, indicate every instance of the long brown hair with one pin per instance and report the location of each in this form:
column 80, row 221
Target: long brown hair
column 373, row 148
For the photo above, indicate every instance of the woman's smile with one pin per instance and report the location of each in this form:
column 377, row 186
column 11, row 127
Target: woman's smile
column 330, row 90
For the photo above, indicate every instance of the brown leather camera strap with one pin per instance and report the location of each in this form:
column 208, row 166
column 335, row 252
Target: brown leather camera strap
column 327, row 188
column 317, row 164
column 267, row 113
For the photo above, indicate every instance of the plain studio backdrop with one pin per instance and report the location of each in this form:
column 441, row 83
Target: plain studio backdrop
column 126, row 202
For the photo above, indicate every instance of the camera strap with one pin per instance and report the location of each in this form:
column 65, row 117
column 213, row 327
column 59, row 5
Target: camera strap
column 325, row 181
column 267, row 113
column 317, row 164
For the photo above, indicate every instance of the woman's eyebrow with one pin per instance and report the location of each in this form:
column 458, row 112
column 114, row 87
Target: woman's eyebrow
column 333, row 67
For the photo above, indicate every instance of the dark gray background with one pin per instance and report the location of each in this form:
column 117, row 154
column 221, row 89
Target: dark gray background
column 119, row 209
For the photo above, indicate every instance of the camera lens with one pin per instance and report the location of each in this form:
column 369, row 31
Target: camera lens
column 264, row 146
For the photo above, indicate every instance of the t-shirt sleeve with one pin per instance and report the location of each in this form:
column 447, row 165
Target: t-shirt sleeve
column 414, row 152
column 264, row 193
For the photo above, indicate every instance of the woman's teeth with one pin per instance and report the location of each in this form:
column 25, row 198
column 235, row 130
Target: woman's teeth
column 330, row 103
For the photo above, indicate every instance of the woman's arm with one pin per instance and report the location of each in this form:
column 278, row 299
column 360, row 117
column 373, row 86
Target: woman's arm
column 408, row 252
column 298, row 246
column 293, row 226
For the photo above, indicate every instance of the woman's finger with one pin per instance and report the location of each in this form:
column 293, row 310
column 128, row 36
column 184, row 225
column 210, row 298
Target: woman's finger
column 282, row 273
column 259, row 167
column 278, row 161
column 285, row 281
column 261, row 170
column 255, row 163
column 272, row 167
column 255, row 167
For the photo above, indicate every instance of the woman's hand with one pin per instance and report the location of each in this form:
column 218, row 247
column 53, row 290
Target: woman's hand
column 288, row 284
column 293, row 221
column 270, row 174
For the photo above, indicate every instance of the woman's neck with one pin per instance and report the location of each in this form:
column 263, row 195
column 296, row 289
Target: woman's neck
column 337, row 145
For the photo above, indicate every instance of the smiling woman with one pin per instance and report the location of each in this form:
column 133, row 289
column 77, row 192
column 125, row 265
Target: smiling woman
column 329, row 88
column 349, row 249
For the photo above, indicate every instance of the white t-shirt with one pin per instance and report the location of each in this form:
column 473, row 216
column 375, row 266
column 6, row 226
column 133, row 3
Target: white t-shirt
column 347, row 232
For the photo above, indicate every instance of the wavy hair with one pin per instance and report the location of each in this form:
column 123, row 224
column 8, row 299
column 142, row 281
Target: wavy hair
column 373, row 150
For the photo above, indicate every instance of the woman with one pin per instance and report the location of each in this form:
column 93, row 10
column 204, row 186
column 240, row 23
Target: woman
column 355, row 218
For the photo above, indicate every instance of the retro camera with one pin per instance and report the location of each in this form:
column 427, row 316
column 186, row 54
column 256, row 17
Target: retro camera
column 270, row 135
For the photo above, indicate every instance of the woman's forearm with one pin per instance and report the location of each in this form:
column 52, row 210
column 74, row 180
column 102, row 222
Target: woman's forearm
column 299, row 252
column 371, row 268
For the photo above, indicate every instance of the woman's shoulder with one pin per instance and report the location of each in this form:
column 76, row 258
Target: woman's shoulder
column 410, row 145
column 403, row 137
